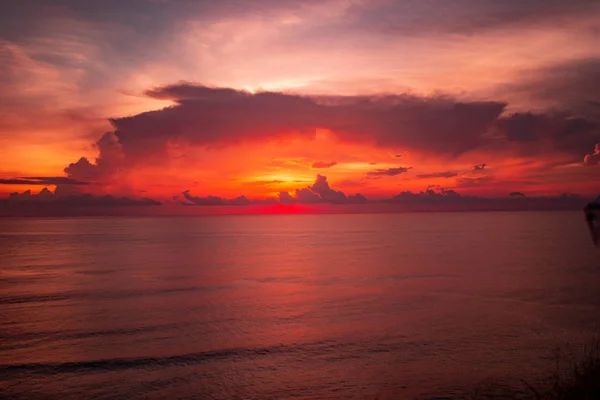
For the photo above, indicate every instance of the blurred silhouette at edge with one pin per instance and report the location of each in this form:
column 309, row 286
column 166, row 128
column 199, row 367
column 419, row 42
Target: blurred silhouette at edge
column 592, row 217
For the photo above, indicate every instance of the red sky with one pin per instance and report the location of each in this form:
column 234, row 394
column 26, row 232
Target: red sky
column 178, row 100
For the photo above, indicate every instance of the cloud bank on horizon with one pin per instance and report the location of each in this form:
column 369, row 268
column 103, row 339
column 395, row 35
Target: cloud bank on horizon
column 239, row 102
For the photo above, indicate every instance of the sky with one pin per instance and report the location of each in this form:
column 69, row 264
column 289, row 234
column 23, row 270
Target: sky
column 240, row 102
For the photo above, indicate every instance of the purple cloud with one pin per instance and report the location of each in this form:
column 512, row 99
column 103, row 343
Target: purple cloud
column 594, row 157
column 214, row 200
column 41, row 180
column 324, row 164
column 388, row 172
column 446, row 174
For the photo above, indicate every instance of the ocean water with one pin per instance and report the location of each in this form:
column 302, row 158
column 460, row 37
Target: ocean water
column 379, row 306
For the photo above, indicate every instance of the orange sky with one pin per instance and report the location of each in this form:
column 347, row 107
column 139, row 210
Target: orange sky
column 455, row 75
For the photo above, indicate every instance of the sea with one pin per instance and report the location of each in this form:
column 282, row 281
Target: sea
column 358, row 306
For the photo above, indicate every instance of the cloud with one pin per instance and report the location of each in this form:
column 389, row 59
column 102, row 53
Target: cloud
column 473, row 182
column 214, row 200
column 443, row 199
column 108, row 163
column 466, row 17
column 594, row 157
column 27, row 198
column 320, row 192
column 572, row 86
column 285, row 198
column 41, row 180
column 446, row 174
column 324, row 164
column 479, row 167
column 215, row 117
column 535, row 133
column 265, row 183
column 388, row 172
column 326, row 193
column 428, row 196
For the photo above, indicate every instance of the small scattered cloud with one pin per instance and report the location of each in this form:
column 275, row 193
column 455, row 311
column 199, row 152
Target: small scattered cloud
column 41, row 180
column 265, row 183
column 445, row 175
column 389, row 171
column 324, row 164
column 473, row 182
column 594, row 157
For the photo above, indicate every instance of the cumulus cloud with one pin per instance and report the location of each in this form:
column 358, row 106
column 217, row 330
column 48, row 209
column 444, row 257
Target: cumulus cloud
column 320, row 192
column 594, row 157
column 109, row 161
column 389, row 171
column 446, row 174
column 326, row 193
column 285, row 198
column 324, row 164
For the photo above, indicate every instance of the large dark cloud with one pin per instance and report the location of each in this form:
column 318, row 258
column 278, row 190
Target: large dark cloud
column 421, row 18
column 567, row 99
column 213, row 117
column 445, row 127
column 534, row 133
column 573, row 86
column 208, row 116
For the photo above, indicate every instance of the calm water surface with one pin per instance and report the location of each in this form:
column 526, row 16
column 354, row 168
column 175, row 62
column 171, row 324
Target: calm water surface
column 290, row 307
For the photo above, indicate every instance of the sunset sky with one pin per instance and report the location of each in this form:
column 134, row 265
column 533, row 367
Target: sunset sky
column 299, row 101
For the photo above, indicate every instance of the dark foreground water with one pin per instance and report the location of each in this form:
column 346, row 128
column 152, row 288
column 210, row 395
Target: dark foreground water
column 282, row 307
